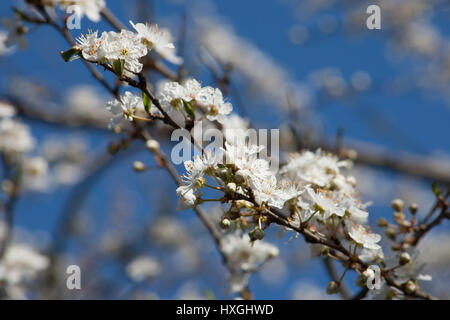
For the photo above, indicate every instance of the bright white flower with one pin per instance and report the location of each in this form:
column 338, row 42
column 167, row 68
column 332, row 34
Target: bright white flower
column 358, row 215
column 142, row 268
column 194, row 179
column 112, row 46
column 124, row 109
column 90, row 8
column 313, row 168
column 16, row 33
column 124, row 46
column 158, row 39
column 6, row 110
column 15, row 137
column 212, row 99
column 170, row 95
column 267, row 191
column 187, row 197
column 361, row 236
column 89, row 45
column 325, row 203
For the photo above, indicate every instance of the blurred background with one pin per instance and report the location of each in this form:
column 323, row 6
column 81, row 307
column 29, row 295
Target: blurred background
column 310, row 68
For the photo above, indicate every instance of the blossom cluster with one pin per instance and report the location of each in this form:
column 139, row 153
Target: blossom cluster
column 309, row 190
column 190, row 94
column 127, row 47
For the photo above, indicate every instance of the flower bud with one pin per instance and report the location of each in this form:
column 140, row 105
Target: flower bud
column 404, row 258
column 390, row 233
column 410, row 287
column 333, row 287
column 225, row 223
column 256, row 234
column 138, row 166
column 382, row 222
column 413, row 207
column 231, row 187
column 152, row 145
column 397, row 204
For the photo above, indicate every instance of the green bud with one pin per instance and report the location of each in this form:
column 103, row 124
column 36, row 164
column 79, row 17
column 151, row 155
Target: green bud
column 256, row 234
column 413, row 207
column 397, row 204
column 405, row 258
column 138, row 166
column 410, row 287
column 225, row 223
column 390, row 233
column 333, row 287
column 382, row 223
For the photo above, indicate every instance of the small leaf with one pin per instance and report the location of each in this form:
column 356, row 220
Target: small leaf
column 147, row 102
column 118, row 67
column 189, row 108
column 67, row 55
column 435, row 189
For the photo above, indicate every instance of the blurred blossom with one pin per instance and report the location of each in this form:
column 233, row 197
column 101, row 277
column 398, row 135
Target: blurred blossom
column 298, row 34
column 330, row 80
column 35, row 174
column 308, row 291
column 86, row 102
column 168, row 232
column 225, row 45
column 20, row 265
column 189, row 291
column 275, row 272
column 143, row 268
column 6, row 110
column 15, row 138
column 244, row 257
column 361, row 80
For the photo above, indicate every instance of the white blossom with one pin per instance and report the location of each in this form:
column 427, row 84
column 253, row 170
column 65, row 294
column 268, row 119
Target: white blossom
column 158, row 39
column 125, row 108
column 363, row 237
column 142, row 268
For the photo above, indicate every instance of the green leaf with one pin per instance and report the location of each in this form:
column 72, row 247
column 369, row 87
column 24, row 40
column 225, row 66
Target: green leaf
column 189, row 108
column 147, row 102
column 118, row 67
column 67, row 55
column 435, row 189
